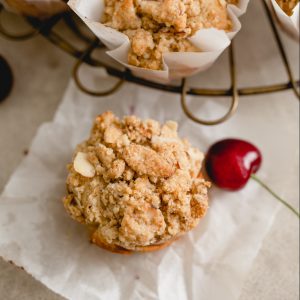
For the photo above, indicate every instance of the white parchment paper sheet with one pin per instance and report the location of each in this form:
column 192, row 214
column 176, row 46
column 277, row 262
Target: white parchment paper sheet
column 209, row 263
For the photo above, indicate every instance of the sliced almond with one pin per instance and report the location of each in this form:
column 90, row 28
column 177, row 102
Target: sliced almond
column 83, row 166
column 145, row 161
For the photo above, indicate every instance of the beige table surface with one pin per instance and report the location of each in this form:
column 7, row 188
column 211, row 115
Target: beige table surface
column 41, row 75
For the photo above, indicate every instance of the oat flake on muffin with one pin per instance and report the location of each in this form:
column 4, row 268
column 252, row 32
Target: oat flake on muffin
column 136, row 184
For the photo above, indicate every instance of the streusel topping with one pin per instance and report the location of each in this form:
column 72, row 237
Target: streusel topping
column 135, row 182
column 155, row 27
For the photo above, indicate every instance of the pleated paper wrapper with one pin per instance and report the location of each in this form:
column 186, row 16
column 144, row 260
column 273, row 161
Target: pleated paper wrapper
column 289, row 23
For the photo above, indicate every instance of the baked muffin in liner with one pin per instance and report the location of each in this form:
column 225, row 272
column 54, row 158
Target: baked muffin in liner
column 209, row 42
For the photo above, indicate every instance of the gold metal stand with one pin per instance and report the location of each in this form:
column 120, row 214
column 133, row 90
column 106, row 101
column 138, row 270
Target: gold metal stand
column 234, row 99
column 70, row 20
column 79, row 84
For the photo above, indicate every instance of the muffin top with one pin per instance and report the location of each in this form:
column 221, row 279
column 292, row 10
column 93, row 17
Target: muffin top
column 157, row 27
column 135, row 183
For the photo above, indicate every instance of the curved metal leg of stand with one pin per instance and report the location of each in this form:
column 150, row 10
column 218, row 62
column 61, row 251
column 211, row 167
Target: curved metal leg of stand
column 81, row 86
column 12, row 36
column 234, row 97
column 6, row 79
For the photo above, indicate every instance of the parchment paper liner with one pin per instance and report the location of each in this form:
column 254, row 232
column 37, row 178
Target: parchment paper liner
column 289, row 23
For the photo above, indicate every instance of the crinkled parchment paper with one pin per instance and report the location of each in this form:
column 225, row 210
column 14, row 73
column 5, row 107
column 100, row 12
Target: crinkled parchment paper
column 209, row 263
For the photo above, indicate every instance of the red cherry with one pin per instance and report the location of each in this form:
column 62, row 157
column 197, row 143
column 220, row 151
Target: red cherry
column 230, row 163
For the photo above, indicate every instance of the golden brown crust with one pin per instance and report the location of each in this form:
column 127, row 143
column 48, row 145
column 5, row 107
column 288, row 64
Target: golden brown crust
column 97, row 240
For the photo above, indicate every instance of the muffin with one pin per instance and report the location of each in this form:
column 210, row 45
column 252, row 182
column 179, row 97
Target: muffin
column 135, row 184
column 38, row 9
column 287, row 5
column 158, row 27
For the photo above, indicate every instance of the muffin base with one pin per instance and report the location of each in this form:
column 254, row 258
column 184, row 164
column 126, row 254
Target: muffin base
column 97, row 240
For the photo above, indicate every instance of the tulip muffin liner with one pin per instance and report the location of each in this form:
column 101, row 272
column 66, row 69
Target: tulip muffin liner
column 212, row 42
column 289, row 23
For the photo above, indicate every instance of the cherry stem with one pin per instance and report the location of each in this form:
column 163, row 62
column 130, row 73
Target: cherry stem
column 275, row 195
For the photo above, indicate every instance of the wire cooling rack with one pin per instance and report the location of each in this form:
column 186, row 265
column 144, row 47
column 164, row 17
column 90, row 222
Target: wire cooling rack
column 47, row 28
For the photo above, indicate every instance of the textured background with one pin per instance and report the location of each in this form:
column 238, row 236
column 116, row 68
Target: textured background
column 39, row 86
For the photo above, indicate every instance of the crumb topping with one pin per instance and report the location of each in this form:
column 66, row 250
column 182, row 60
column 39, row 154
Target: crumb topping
column 135, row 182
column 155, row 27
